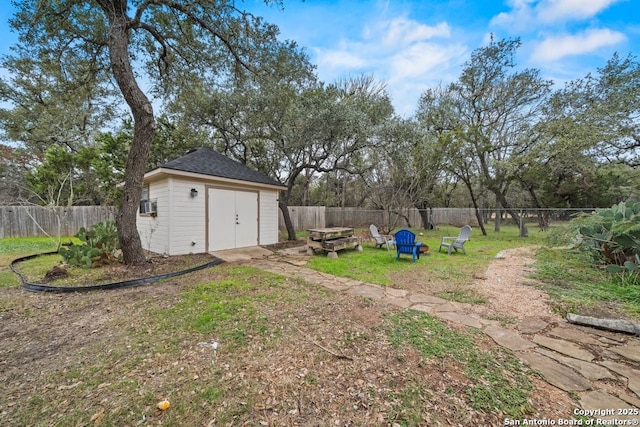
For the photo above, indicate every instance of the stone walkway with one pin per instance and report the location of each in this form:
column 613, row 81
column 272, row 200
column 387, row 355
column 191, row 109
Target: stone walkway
column 601, row 367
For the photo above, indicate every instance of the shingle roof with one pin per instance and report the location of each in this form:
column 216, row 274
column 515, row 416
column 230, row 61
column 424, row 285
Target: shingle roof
column 207, row 161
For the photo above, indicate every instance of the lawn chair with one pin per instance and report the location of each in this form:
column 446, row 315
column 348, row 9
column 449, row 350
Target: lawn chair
column 405, row 242
column 456, row 242
column 381, row 239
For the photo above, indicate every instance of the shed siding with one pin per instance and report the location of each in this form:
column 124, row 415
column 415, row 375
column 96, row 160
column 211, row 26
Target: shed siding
column 187, row 218
column 268, row 211
column 180, row 225
column 154, row 231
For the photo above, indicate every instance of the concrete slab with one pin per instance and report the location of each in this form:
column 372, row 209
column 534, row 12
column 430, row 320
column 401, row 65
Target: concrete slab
column 242, row 254
column 564, row 347
column 508, row 339
column 555, row 373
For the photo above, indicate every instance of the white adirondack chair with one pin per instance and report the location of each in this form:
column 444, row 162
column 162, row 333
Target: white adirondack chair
column 381, row 239
column 456, row 243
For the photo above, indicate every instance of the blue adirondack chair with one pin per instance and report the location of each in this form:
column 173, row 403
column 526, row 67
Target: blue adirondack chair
column 406, row 244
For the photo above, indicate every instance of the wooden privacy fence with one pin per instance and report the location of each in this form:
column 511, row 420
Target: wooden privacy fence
column 30, row 221
column 358, row 217
column 304, row 217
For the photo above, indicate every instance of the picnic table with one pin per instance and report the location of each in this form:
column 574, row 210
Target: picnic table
column 331, row 240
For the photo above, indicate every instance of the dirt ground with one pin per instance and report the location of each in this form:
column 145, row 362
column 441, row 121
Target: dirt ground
column 331, row 365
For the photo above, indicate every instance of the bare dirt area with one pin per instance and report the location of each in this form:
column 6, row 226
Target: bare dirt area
column 295, row 355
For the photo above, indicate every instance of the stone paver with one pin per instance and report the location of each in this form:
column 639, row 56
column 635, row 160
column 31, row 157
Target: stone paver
column 449, row 306
column 425, row 299
column 632, row 375
column 575, row 335
column 564, row 347
column 459, row 318
column 367, row 291
column 396, row 293
column 398, row 302
column 631, row 399
column 586, row 369
column 423, row 307
column 555, row 373
column 532, row 325
column 599, row 400
column 508, row 338
column 630, row 351
column 557, row 352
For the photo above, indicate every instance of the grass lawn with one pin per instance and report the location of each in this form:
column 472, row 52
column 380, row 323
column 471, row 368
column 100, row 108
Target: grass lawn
column 573, row 282
column 380, row 266
column 13, row 247
column 446, row 276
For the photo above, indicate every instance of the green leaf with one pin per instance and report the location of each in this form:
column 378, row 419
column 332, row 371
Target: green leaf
column 613, row 268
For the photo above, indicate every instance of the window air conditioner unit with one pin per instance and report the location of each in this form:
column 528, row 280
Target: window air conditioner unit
column 147, row 207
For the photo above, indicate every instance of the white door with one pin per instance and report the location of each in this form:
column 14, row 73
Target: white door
column 233, row 219
column 246, row 219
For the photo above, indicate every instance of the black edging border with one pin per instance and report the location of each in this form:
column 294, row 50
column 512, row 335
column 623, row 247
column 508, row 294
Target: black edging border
column 39, row 287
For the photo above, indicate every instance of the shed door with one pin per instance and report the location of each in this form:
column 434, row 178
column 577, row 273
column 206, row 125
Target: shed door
column 233, row 219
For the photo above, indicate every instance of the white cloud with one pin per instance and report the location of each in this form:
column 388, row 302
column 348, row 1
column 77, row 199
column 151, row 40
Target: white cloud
column 521, row 16
column 343, row 57
column 421, row 59
column 528, row 14
column 402, row 31
column 554, row 48
column 550, row 11
column 407, row 55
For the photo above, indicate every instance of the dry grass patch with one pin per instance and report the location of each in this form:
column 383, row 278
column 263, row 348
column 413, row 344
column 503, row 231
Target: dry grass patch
column 288, row 353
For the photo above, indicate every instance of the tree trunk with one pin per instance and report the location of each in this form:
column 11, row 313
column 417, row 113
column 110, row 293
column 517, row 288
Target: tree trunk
column 284, row 208
column 476, row 207
column 543, row 217
column 143, row 129
column 423, row 210
column 524, row 232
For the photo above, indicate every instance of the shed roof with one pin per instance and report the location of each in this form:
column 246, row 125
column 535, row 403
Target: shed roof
column 207, row 161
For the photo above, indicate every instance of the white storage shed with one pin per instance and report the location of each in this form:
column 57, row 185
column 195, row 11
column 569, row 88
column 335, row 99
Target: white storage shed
column 204, row 202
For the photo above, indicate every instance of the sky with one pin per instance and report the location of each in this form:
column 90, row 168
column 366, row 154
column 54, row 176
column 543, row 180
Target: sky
column 413, row 45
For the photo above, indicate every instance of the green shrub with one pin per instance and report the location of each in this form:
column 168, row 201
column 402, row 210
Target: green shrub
column 100, row 246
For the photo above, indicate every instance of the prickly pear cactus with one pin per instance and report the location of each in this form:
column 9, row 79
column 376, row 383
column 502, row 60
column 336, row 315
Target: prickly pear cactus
column 100, row 246
column 613, row 235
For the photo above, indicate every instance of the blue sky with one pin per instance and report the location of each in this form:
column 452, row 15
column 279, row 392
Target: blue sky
column 414, row 45
column 417, row 44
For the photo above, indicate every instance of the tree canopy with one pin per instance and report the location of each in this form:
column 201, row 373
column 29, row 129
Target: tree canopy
column 497, row 137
